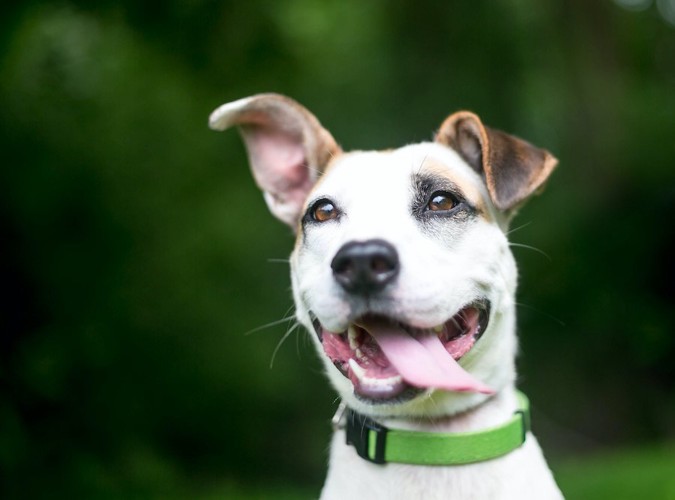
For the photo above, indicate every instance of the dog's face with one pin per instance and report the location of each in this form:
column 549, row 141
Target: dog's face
column 422, row 219
column 401, row 270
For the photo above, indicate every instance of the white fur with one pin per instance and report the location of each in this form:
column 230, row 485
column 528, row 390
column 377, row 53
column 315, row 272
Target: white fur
column 522, row 474
column 444, row 266
column 439, row 275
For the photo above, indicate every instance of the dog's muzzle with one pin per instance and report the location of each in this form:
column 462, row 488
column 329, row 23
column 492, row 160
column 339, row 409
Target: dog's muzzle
column 385, row 358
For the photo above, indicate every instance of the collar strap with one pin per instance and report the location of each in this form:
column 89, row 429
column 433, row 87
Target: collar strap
column 379, row 444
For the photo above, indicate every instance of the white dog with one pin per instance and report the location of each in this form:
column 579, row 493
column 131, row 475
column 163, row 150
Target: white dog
column 402, row 272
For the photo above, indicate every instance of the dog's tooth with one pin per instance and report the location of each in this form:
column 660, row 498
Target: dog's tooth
column 392, row 380
column 439, row 328
column 356, row 368
column 382, row 382
column 351, row 336
column 360, row 374
column 359, row 354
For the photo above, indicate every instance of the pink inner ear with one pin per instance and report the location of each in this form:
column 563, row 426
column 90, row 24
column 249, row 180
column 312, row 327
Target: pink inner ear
column 279, row 164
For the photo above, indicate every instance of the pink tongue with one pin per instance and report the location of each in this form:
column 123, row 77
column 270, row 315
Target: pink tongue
column 422, row 362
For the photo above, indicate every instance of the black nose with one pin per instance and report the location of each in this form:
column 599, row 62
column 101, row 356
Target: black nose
column 365, row 266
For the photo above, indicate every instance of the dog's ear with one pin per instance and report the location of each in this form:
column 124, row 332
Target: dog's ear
column 287, row 148
column 512, row 168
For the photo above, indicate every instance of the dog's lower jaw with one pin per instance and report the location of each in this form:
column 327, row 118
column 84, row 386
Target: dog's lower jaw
column 521, row 474
column 491, row 361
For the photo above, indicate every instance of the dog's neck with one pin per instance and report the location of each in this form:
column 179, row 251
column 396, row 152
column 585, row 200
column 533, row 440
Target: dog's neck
column 492, row 412
column 435, row 443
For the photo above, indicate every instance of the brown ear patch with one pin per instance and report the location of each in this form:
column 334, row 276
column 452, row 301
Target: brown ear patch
column 512, row 168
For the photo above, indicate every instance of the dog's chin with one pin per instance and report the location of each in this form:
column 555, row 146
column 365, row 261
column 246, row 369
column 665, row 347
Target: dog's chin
column 374, row 379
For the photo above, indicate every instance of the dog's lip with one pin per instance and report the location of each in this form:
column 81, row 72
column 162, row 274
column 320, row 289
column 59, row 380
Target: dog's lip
column 381, row 382
column 483, row 306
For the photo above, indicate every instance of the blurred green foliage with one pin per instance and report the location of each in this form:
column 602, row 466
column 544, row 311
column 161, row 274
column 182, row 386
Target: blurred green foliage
column 630, row 474
column 138, row 252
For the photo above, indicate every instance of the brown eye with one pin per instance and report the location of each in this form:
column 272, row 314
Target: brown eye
column 324, row 210
column 441, row 202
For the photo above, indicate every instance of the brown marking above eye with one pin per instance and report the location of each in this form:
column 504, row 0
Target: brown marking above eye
column 441, row 201
column 324, row 210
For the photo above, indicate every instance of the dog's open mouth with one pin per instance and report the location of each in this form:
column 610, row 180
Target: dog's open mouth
column 383, row 358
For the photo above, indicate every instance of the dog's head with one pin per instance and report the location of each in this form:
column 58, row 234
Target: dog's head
column 401, row 270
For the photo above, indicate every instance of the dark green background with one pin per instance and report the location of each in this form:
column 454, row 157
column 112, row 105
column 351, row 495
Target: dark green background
column 137, row 252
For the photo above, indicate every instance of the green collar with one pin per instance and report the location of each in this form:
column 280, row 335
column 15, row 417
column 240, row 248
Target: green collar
column 379, row 444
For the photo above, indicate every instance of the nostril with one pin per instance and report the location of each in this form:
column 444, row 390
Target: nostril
column 365, row 266
column 382, row 264
column 343, row 267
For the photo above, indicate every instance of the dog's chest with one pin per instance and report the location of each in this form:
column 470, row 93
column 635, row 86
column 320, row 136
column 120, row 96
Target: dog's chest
column 519, row 475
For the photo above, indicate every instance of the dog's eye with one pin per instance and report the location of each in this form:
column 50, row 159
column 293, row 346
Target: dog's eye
column 324, row 210
column 441, row 201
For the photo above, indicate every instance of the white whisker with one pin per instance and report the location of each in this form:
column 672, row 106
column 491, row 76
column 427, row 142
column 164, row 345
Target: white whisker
column 518, row 228
column 549, row 316
column 529, row 247
column 284, row 319
column 286, row 335
column 279, row 261
column 454, row 322
column 419, row 169
column 268, row 325
column 316, row 170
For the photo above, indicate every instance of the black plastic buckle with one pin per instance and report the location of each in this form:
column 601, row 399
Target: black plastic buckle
column 358, row 435
column 525, row 423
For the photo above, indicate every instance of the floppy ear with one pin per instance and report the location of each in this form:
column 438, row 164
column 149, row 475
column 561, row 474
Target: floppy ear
column 512, row 168
column 287, row 148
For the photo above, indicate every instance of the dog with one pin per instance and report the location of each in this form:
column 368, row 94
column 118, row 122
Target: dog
column 403, row 275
